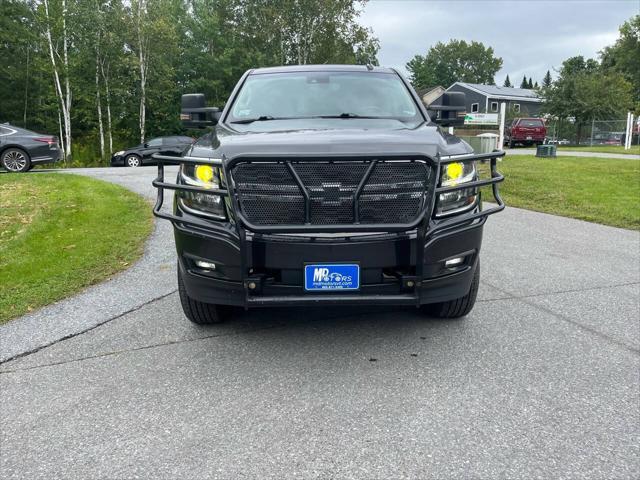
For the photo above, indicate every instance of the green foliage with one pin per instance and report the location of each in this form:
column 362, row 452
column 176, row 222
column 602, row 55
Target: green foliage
column 547, row 80
column 456, row 61
column 190, row 46
column 524, row 83
column 25, row 83
column 584, row 91
column 61, row 233
column 624, row 56
column 507, row 82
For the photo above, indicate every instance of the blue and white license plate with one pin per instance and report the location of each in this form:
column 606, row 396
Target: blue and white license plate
column 332, row 276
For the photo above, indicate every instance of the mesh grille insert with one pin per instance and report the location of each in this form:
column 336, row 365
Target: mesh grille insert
column 269, row 194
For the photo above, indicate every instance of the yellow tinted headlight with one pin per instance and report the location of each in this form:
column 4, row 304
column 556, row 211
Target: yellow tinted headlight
column 201, row 203
column 206, row 176
column 204, row 173
column 458, row 172
column 453, row 171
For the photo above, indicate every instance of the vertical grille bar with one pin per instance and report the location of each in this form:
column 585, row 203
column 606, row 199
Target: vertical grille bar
column 356, row 195
column 305, row 193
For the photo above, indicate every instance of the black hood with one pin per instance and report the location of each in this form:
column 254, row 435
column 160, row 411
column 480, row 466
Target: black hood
column 429, row 140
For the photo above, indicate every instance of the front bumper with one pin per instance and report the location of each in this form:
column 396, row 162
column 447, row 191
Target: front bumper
column 275, row 266
column 399, row 264
column 117, row 160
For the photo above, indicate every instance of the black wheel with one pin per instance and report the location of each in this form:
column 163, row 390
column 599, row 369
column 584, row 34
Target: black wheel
column 458, row 307
column 15, row 160
column 198, row 312
column 132, row 161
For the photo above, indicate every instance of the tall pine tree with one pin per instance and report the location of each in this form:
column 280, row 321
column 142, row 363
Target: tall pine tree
column 530, row 84
column 546, row 81
column 524, row 83
column 507, row 82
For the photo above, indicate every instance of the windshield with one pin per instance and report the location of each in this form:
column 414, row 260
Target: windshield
column 340, row 95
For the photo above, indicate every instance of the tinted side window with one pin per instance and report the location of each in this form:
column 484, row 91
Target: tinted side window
column 155, row 142
column 177, row 140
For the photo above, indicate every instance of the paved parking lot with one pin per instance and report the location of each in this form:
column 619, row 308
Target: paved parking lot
column 541, row 380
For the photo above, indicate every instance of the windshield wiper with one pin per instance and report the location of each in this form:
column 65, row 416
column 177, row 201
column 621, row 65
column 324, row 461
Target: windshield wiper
column 261, row 118
column 346, row 115
column 264, row 118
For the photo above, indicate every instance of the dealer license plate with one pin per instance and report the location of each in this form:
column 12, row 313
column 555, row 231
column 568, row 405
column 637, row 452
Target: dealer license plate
column 332, row 276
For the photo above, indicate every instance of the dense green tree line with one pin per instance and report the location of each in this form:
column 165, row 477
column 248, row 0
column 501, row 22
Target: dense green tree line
column 105, row 73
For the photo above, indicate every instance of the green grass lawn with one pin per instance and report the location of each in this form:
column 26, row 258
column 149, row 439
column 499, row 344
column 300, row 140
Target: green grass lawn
column 61, row 233
column 634, row 150
column 598, row 190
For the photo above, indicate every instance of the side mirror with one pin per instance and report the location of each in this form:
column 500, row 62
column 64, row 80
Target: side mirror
column 194, row 112
column 449, row 109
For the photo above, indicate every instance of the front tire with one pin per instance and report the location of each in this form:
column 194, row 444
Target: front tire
column 198, row 312
column 132, row 161
column 15, row 160
column 458, row 307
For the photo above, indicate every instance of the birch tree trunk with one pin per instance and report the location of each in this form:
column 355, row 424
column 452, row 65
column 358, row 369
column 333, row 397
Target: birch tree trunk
column 105, row 80
column 65, row 104
column 61, row 136
column 67, row 123
column 26, row 93
column 142, row 59
column 99, row 104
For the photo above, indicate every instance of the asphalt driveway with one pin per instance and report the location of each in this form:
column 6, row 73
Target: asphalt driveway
column 541, row 380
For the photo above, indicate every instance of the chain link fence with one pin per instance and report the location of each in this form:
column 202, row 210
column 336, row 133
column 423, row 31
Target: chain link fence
column 596, row 132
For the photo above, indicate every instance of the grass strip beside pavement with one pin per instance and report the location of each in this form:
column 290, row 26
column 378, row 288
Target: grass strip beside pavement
column 600, row 190
column 634, row 150
column 61, row 233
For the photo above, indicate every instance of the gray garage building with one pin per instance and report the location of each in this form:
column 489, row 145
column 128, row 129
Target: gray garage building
column 487, row 99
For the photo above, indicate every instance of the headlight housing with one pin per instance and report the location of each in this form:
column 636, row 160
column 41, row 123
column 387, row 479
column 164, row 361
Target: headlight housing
column 201, row 203
column 457, row 201
column 118, row 153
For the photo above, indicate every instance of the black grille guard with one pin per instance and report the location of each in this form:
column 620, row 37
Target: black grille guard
column 424, row 225
column 422, row 222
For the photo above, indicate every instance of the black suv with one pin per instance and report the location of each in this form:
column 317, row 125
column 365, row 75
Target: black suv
column 327, row 185
column 142, row 154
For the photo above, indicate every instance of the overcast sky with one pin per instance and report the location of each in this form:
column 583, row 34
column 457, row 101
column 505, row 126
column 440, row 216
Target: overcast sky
column 531, row 36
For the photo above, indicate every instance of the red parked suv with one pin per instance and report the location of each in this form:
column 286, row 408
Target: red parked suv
column 525, row 131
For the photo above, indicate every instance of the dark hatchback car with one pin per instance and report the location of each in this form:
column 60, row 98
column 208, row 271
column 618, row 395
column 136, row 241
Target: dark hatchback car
column 327, row 185
column 141, row 154
column 21, row 149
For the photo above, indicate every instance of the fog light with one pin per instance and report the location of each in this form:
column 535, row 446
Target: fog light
column 252, row 285
column 454, row 262
column 205, row 265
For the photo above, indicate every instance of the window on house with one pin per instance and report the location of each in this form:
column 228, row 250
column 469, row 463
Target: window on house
column 516, row 107
column 494, row 106
column 474, row 108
